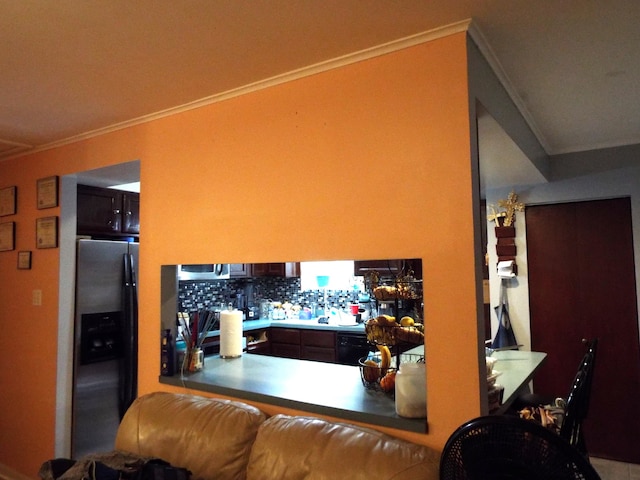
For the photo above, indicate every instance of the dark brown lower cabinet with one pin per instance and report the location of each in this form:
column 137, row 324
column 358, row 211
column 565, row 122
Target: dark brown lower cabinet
column 285, row 342
column 319, row 345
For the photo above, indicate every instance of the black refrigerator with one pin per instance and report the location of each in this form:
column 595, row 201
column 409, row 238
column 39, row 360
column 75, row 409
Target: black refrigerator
column 105, row 374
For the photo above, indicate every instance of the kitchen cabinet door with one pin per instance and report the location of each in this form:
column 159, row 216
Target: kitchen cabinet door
column 240, row 270
column 289, row 336
column 260, row 269
column 289, row 269
column 318, row 345
column 318, row 338
column 130, row 212
column 285, row 342
column 98, row 210
column 285, row 350
column 107, row 212
column 319, row 354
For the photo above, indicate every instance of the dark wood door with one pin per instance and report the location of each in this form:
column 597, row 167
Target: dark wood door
column 582, row 285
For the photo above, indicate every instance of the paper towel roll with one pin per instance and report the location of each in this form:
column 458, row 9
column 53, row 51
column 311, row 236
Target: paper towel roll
column 230, row 333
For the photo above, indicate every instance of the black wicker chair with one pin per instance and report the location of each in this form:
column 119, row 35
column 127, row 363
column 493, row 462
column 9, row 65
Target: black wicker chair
column 577, row 402
column 501, row 447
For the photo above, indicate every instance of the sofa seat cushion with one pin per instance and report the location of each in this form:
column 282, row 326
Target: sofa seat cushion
column 296, row 448
column 210, row 437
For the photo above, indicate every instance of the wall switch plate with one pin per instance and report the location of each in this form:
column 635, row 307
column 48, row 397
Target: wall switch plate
column 36, row 297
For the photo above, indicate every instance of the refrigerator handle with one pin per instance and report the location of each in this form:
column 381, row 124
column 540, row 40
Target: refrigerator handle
column 128, row 387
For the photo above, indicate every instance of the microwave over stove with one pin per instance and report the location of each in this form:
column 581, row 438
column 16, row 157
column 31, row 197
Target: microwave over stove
column 208, row 271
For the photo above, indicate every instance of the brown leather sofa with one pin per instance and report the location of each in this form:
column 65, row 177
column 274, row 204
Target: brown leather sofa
column 230, row 440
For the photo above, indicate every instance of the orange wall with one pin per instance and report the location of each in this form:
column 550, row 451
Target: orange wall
column 370, row 160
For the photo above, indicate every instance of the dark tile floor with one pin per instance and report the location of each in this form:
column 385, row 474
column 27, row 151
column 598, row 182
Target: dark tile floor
column 610, row 470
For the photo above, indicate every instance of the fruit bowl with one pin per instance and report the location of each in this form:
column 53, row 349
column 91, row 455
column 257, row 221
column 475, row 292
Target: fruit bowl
column 391, row 333
column 371, row 373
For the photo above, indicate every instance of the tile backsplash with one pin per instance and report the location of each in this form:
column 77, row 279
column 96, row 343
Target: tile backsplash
column 199, row 295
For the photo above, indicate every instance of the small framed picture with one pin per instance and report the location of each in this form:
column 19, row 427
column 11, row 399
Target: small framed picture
column 47, row 192
column 7, row 236
column 24, row 260
column 47, row 232
column 8, row 201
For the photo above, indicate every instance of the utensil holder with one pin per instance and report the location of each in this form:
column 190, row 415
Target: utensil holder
column 196, row 360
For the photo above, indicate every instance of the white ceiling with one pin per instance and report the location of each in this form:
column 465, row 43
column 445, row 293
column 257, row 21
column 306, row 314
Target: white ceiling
column 75, row 67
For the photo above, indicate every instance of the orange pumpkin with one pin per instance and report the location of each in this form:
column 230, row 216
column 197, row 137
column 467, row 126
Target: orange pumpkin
column 388, row 382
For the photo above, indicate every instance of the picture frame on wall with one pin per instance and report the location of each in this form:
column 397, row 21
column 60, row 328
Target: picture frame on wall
column 47, row 192
column 47, row 232
column 7, row 236
column 8, row 204
column 24, row 260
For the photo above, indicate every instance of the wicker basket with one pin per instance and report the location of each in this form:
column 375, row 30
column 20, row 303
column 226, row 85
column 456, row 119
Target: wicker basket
column 401, row 290
column 371, row 375
column 381, row 335
column 392, row 335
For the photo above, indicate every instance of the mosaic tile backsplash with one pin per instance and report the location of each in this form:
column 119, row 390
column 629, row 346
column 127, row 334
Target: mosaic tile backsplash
column 210, row 295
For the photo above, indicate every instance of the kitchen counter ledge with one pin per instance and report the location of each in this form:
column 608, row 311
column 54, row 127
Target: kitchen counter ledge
column 315, row 387
column 312, row 324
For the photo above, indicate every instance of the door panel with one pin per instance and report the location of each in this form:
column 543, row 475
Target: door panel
column 582, row 285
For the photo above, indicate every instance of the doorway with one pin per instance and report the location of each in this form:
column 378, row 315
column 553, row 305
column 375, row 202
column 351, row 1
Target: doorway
column 582, row 285
column 124, row 173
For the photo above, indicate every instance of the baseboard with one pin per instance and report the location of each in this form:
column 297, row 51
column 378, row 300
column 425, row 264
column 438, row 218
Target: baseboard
column 7, row 473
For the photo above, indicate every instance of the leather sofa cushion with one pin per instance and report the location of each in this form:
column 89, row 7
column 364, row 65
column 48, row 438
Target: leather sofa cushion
column 210, row 437
column 296, row 448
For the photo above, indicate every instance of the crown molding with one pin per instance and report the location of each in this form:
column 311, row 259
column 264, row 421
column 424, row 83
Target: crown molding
column 11, row 148
column 307, row 71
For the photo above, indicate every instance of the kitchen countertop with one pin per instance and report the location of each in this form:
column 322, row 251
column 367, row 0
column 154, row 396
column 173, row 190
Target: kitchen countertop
column 315, row 387
column 311, row 324
column 329, row 389
column 516, row 369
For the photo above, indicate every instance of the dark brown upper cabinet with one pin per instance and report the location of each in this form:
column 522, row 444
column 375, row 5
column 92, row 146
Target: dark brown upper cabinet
column 107, row 212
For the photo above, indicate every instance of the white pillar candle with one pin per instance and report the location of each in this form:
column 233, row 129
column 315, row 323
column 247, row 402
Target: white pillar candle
column 230, row 333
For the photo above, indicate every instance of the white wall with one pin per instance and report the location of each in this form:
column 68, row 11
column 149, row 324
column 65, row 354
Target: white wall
column 622, row 182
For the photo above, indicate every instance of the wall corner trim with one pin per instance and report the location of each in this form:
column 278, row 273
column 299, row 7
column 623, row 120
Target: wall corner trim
column 483, row 45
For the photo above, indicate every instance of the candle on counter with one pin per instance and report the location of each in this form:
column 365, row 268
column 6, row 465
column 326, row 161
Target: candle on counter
column 230, row 333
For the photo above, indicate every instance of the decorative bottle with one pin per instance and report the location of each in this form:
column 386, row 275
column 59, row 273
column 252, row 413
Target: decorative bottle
column 167, row 359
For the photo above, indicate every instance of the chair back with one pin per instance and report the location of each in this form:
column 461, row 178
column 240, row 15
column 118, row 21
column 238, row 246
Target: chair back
column 578, row 400
column 501, row 447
